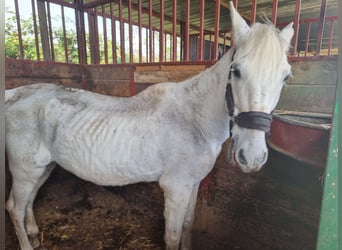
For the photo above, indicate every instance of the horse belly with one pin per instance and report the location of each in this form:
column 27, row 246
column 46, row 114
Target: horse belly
column 115, row 156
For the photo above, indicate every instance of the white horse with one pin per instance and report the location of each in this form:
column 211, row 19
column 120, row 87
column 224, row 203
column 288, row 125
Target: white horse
column 171, row 132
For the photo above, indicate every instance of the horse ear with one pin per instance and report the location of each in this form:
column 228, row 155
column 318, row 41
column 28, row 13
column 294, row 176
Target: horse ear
column 286, row 34
column 240, row 27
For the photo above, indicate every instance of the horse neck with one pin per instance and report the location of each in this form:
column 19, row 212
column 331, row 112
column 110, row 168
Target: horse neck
column 205, row 100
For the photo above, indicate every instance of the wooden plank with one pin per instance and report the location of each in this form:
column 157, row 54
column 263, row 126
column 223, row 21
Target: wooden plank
column 163, row 76
column 314, row 72
column 314, row 98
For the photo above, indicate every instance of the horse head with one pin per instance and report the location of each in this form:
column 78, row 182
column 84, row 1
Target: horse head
column 258, row 70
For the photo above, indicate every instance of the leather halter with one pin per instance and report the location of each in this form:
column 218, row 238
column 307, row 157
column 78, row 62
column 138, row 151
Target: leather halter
column 251, row 119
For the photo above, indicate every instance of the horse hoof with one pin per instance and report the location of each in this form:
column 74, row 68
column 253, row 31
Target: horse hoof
column 35, row 243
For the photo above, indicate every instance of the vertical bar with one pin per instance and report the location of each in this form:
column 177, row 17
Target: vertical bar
column 150, row 7
column 307, row 39
column 80, row 29
column 236, row 4
column 321, row 26
column 122, row 34
column 147, row 43
column 217, row 26
column 210, row 47
column 113, row 22
column 274, row 12
column 105, row 40
column 50, row 32
column 21, row 49
column 35, row 28
column 186, row 30
column 296, row 27
column 331, row 35
column 130, row 31
column 174, row 31
column 253, row 11
column 64, row 36
column 161, row 32
column 201, row 34
column 43, row 30
column 140, row 31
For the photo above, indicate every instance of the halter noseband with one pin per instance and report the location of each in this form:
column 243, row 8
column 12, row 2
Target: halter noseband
column 251, row 119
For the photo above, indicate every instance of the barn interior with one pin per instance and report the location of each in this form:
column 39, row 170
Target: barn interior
column 121, row 47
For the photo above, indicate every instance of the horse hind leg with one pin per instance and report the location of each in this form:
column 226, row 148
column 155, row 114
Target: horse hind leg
column 26, row 178
column 30, row 221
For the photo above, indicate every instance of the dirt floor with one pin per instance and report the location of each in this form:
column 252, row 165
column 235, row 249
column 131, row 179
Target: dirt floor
column 74, row 214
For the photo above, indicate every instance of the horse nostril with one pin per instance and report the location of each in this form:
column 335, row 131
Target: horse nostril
column 242, row 158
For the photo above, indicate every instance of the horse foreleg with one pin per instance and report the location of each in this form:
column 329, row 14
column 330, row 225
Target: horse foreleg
column 189, row 220
column 30, row 221
column 177, row 197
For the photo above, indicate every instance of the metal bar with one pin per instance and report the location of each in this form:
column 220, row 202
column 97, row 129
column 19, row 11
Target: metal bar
column 332, row 26
column 105, row 40
column 21, row 48
column 307, row 39
column 253, row 11
column 147, row 43
column 96, row 3
column 43, row 30
column 321, row 26
column 274, row 12
column 201, row 34
column 64, row 36
column 296, row 27
column 174, row 30
column 140, row 31
column 50, row 32
column 161, row 32
column 130, row 31
column 186, row 31
column 36, row 39
column 113, row 22
column 80, row 29
column 217, row 26
column 122, row 34
column 150, row 7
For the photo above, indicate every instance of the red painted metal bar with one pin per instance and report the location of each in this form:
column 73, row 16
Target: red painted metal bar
column 105, row 40
column 113, row 24
column 64, row 36
column 236, row 3
column 140, row 30
column 307, row 38
column 147, row 51
column 217, row 27
column 161, row 32
column 150, row 6
column 34, row 15
column 130, row 31
column 321, row 26
column 331, row 34
column 186, row 31
column 253, row 11
column 201, row 34
column 174, row 30
column 122, row 34
column 21, row 48
column 296, row 27
column 274, row 12
column 50, row 32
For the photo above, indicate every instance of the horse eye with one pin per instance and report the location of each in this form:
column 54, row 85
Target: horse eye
column 236, row 72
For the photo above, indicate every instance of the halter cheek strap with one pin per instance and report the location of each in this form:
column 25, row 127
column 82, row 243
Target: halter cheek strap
column 251, row 119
